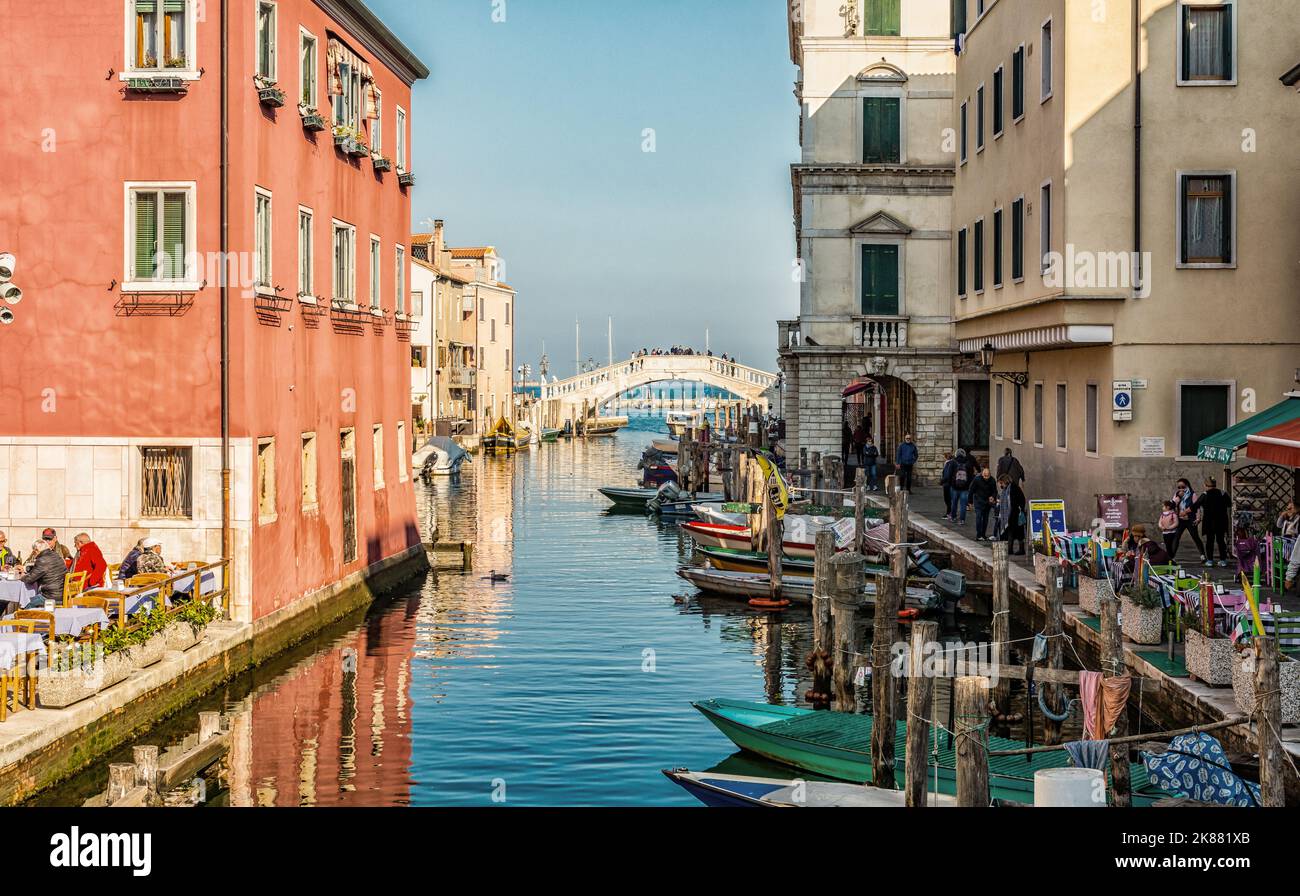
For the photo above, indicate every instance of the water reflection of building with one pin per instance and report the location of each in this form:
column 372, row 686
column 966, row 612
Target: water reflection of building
column 348, row 713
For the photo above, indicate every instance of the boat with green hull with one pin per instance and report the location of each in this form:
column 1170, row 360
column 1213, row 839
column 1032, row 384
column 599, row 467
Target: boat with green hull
column 838, row 745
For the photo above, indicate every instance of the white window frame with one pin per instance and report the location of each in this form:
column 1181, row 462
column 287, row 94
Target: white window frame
column 401, row 451
column 1023, row 51
column 1092, row 409
column 882, row 239
column 264, row 517
column 1178, row 57
column 377, row 126
column 307, row 256
column 312, row 505
column 1062, row 411
column 377, row 454
column 314, row 100
column 963, row 258
column 963, row 135
column 400, row 274
column 1178, row 409
column 1047, row 61
column 894, row 92
column 1044, row 225
column 1231, row 175
column 263, row 253
column 1018, row 414
column 190, row 282
column 376, row 273
column 191, row 70
column 999, row 99
column 348, row 295
column 274, row 75
column 403, row 160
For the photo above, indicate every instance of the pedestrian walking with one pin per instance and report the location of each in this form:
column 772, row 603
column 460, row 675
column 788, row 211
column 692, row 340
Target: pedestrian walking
column 1011, row 515
column 871, row 457
column 1184, row 498
column 1168, row 524
column 905, row 459
column 984, row 500
column 945, row 480
column 1010, row 467
column 963, row 472
column 1213, row 507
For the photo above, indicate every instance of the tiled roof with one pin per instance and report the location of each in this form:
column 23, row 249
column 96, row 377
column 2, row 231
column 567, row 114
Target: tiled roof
column 471, row 252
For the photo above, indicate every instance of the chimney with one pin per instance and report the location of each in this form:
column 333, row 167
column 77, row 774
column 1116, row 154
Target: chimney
column 438, row 245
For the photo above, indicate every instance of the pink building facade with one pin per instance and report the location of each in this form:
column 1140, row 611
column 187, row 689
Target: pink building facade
column 110, row 371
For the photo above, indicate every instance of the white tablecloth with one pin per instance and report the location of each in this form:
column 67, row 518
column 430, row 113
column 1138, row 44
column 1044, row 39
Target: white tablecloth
column 17, row 644
column 74, row 620
column 18, row 592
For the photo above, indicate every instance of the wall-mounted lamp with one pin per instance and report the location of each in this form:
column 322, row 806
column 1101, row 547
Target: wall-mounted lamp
column 988, row 353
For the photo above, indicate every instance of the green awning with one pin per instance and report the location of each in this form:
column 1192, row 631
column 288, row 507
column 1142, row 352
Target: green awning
column 1223, row 446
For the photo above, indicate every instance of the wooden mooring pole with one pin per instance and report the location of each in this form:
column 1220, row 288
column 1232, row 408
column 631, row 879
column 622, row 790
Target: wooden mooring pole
column 971, row 726
column 920, row 699
column 849, row 624
column 898, row 526
column 1052, row 629
column 772, row 524
column 884, row 687
column 860, row 511
column 820, row 661
column 1001, row 625
column 1268, row 723
column 1112, row 666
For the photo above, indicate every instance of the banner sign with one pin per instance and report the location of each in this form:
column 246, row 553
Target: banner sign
column 1044, row 513
column 1113, row 510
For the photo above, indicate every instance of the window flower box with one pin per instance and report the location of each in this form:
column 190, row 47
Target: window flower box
column 312, row 120
column 382, row 164
column 156, row 85
column 1209, row 660
column 1243, row 685
column 272, row 97
column 406, row 179
column 357, row 148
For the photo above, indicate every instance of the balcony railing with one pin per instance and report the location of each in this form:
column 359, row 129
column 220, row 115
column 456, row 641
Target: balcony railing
column 880, row 332
column 788, row 334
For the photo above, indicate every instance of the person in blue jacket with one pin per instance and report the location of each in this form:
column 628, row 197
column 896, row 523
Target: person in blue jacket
column 905, row 460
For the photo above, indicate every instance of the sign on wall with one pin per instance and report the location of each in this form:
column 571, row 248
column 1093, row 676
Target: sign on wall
column 1113, row 511
column 1152, row 446
column 1122, row 400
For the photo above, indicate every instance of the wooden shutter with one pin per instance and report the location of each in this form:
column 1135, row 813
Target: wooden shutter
column 880, row 130
column 879, row 280
column 173, row 236
column 883, row 17
column 146, row 234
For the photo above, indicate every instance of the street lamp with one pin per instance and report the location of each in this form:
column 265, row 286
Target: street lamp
column 987, row 354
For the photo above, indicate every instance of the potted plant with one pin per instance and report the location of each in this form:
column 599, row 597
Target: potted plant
column 189, row 625
column 1094, row 583
column 1208, row 655
column 382, row 164
column 75, row 670
column 406, row 179
column 269, row 95
column 148, row 637
column 1142, row 613
column 176, row 62
column 1243, row 685
column 311, row 119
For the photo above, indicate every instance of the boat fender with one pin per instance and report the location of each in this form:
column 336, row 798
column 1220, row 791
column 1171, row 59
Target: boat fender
column 908, row 614
column 1010, row 718
column 1055, row 717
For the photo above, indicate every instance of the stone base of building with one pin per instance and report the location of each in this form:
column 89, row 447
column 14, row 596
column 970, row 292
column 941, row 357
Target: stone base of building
column 816, row 377
column 39, row 748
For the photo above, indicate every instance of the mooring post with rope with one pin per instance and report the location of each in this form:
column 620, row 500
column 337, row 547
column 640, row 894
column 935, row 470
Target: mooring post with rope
column 1001, row 626
column 850, row 625
column 860, row 511
column 1052, row 630
column 819, row 661
column 1112, row 666
column 920, row 696
column 971, row 728
column 1268, row 722
column 884, row 687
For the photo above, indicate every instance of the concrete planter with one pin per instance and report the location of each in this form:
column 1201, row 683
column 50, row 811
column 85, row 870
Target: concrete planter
column 57, row 689
column 1243, row 686
column 150, row 652
column 1091, row 591
column 1042, row 563
column 1143, row 625
column 1209, row 660
column 181, row 636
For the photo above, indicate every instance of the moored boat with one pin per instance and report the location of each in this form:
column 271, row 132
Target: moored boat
column 639, row 498
column 604, row 426
column 838, row 745
column 730, row 791
column 750, row 585
column 503, row 437
column 551, row 435
column 665, row 446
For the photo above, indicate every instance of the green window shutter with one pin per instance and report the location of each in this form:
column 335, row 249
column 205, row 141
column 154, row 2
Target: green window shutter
column 173, row 5
column 145, row 6
column 173, row 236
column 880, row 130
column 879, row 279
column 146, row 234
column 883, row 17
column 1184, row 211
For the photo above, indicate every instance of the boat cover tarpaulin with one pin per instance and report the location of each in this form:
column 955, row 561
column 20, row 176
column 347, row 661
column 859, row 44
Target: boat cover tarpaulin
column 1223, row 446
column 1279, row 445
column 1194, row 766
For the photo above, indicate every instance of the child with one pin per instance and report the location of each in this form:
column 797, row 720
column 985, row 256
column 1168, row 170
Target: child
column 1246, row 547
column 1168, row 524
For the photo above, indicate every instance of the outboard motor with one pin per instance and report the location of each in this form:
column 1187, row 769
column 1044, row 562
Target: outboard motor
column 951, row 584
column 667, row 494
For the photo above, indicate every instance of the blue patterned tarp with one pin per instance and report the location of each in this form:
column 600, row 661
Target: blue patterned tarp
column 1195, row 767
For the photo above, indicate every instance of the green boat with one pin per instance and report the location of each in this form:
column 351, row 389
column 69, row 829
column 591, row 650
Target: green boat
column 551, row 435
column 838, row 745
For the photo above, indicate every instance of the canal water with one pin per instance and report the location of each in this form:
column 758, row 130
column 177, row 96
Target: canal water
column 568, row 684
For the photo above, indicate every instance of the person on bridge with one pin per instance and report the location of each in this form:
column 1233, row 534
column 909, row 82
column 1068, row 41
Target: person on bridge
column 905, row 459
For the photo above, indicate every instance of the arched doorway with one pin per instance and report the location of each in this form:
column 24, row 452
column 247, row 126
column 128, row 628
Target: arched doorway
column 886, row 406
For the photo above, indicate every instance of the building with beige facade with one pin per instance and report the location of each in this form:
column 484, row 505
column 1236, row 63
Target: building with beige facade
column 1125, row 212
column 443, row 366
column 492, row 311
column 872, row 209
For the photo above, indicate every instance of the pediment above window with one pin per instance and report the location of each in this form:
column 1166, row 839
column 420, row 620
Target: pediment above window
column 882, row 73
column 881, row 223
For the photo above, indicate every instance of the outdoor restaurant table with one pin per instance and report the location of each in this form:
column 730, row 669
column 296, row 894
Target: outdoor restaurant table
column 74, row 620
column 16, row 644
column 17, row 592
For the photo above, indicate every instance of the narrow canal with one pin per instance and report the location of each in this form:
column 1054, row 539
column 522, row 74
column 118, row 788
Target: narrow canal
column 570, row 684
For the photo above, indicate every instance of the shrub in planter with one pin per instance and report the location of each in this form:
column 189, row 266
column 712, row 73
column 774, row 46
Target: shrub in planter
column 189, row 625
column 75, row 671
column 1243, row 686
column 1142, row 612
column 1209, row 660
column 149, row 639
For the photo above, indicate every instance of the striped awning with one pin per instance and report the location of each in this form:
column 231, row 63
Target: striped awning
column 1277, row 445
column 338, row 55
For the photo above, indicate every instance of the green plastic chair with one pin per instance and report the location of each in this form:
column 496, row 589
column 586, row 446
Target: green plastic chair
column 1286, row 626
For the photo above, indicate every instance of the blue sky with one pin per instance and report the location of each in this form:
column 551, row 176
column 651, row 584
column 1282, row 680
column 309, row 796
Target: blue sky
column 528, row 137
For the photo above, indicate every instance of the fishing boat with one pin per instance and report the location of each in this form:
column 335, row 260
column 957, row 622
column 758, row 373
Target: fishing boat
column 441, row 457
column 750, row 585
column 733, row 560
column 721, row 535
column 838, row 745
column 665, row 446
column 604, row 426
column 639, row 498
column 730, row 791
column 551, row 435
column 503, row 437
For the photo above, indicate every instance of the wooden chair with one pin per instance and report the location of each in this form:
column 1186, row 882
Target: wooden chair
column 11, row 679
column 42, row 622
column 1286, row 626
column 114, row 603
column 113, row 569
column 73, row 584
column 187, row 565
column 146, row 578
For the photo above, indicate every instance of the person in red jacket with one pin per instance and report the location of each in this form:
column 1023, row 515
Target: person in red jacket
column 90, row 559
